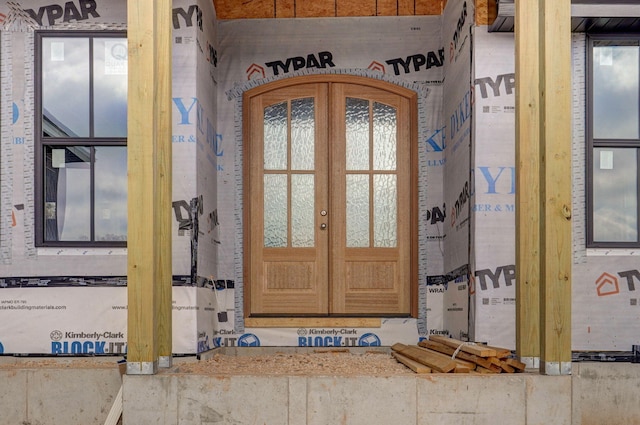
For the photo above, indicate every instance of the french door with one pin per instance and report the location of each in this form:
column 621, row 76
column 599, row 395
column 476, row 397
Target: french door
column 328, row 198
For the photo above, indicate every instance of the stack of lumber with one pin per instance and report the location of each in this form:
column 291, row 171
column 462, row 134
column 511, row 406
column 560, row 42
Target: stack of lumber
column 440, row 354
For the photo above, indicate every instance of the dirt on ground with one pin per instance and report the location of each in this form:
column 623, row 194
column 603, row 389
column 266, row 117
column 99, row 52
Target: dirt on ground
column 343, row 363
column 8, row 362
column 320, row 362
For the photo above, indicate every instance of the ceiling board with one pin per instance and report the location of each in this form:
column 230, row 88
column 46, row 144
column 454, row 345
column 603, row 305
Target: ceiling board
column 256, row 9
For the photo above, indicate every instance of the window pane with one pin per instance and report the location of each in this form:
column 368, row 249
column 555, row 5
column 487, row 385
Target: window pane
column 385, row 211
column 615, row 92
column 111, row 193
column 302, row 207
column 615, row 199
column 302, row 134
column 275, row 210
column 67, row 188
column 275, row 137
column 357, row 210
column 110, row 87
column 357, row 123
column 384, row 137
column 65, row 87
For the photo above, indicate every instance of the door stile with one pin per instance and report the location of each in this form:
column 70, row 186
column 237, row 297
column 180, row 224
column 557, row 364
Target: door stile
column 287, row 280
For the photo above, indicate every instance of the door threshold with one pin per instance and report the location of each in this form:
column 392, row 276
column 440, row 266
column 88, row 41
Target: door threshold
column 313, row 322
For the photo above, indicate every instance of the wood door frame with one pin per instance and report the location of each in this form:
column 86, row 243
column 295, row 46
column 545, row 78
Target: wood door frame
column 413, row 201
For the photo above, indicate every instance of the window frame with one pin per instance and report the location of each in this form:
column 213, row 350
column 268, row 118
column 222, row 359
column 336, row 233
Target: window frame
column 41, row 143
column 592, row 144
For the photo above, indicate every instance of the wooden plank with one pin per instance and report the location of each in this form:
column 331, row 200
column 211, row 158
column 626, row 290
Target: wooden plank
column 527, row 181
column 163, row 177
column 406, row 7
column 483, row 370
column 254, row 9
column 436, row 363
column 148, row 60
column 312, row 322
column 516, row 364
column 460, row 362
column 445, row 349
column 315, row 8
column 462, row 369
column 387, row 8
column 486, row 12
column 555, row 194
column 285, row 9
column 478, row 350
column 502, row 364
column 415, row 366
column 359, row 8
column 501, row 352
column 428, row 7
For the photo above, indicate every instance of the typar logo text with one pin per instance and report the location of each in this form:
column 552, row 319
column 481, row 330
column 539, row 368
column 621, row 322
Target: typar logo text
column 458, row 39
column 501, row 276
column 607, row 283
column 457, row 209
column 106, row 342
column 320, row 60
column 417, row 62
column 53, row 14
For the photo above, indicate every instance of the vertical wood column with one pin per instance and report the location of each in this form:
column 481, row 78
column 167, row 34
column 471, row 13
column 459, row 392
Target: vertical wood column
column 527, row 183
column 149, row 186
column 555, row 180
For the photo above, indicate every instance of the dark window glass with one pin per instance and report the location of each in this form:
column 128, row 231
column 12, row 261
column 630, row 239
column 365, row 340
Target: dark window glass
column 81, row 123
column 613, row 141
column 65, row 87
column 615, row 195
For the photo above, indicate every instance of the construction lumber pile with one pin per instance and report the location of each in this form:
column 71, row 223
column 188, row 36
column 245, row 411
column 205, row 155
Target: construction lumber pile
column 440, row 354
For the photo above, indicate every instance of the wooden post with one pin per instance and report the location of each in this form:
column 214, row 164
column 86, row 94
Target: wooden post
column 555, row 180
column 164, row 28
column 527, row 183
column 149, row 185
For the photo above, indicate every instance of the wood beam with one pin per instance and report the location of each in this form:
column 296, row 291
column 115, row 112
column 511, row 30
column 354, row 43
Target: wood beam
column 361, row 8
column 230, row 9
column 285, row 8
column 387, row 7
column 487, row 11
column 315, row 8
column 164, row 181
column 406, row 7
column 149, row 185
column 255, row 9
column 527, row 183
column 428, row 7
column 555, row 180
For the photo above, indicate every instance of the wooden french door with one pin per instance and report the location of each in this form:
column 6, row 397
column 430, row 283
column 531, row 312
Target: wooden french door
column 328, row 198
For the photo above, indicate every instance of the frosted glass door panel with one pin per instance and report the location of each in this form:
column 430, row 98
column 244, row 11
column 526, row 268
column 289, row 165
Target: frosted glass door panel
column 302, row 207
column 385, row 211
column 384, row 137
column 302, row 133
column 357, row 210
column 275, row 210
column 275, row 137
column 357, row 137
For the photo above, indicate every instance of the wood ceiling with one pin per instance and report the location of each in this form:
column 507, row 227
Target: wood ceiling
column 256, row 9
